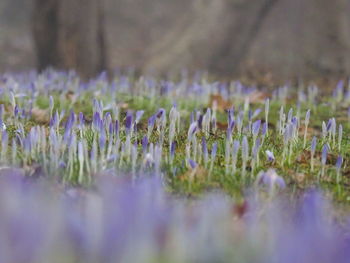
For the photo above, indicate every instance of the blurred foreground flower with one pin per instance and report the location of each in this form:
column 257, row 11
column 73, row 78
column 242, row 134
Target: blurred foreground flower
column 125, row 221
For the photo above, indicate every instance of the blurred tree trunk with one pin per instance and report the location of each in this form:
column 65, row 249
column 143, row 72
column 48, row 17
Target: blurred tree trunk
column 228, row 27
column 69, row 34
column 247, row 19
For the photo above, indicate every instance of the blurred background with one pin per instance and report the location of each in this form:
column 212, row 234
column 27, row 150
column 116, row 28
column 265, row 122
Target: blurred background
column 281, row 39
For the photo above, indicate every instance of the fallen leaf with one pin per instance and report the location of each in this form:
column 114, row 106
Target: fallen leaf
column 257, row 97
column 221, row 103
column 40, row 115
column 199, row 174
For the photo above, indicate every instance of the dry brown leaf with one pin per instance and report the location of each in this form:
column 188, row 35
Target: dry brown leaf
column 221, row 126
column 240, row 209
column 221, row 103
column 199, row 174
column 40, row 115
column 299, row 177
column 257, row 97
column 123, row 106
column 70, row 95
column 311, row 132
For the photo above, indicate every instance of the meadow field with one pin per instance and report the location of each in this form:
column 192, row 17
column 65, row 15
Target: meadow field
column 185, row 169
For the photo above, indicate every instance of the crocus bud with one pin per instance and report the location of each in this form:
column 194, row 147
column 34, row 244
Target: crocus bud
column 256, row 127
column 172, row 149
column 339, row 163
column 324, row 154
column 313, row 145
column 128, row 122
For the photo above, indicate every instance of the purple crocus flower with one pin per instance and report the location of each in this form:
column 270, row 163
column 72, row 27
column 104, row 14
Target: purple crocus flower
column 256, row 127
column 271, row 179
column 339, row 162
column 102, row 140
column 192, row 163
column 324, row 154
column 313, row 145
column 245, row 149
column 139, row 115
column 54, row 120
column 214, row 149
column 307, row 117
column 4, row 137
column 264, row 129
column 116, row 128
column 213, row 123
column 81, row 119
column 161, row 113
column 16, row 111
column 110, row 128
column 230, row 114
column 256, row 147
column 70, row 121
column 290, row 115
column 256, row 113
column 144, row 144
column 192, row 131
column 329, row 124
column 51, row 103
column 199, row 121
column 128, row 122
column 97, row 121
column 204, row 145
column 172, row 149
column 235, row 148
column 250, row 114
column 270, row 155
column 151, row 120
column 192, row 117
